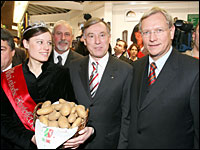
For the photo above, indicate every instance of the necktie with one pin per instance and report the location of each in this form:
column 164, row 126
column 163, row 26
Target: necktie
column 152, row 75
column 94, row 81
column 59, row 60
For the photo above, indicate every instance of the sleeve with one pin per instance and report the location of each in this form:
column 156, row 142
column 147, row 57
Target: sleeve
column 194, row 105
column 123, row 139
column 12, row 130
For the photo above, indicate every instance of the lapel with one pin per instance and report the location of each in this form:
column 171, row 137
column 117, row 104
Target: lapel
column 84, row 76
column 69, row 57
column 167, row 74
column 107, row 78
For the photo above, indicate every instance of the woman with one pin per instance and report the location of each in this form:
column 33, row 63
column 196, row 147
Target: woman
column 133, row 51
column 23, row 86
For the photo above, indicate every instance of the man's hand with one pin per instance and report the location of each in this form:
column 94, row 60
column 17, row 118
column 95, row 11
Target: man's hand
column 84, row 134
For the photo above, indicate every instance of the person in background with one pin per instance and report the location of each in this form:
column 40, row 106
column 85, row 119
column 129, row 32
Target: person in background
column 133, row 51
column 120, row 48
column 7, row 50
column 25, row 85
column 102, row 83
column 165, row 90
column 62, row 37
column 137, row 38
column 195, row 51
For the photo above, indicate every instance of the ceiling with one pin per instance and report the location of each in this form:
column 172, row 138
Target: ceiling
column 48, row 7
column 34, row 9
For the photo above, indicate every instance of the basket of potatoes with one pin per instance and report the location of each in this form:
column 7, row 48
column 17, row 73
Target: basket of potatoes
column 55, row 123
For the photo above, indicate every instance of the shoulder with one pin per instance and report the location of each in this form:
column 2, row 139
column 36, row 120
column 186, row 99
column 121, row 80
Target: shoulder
column 75, row 54
column 119, row 63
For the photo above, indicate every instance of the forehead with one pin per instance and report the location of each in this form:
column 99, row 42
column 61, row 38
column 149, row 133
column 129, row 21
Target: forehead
column 120, row 43
column 63, row 28
column 95, row 28
column 45, row 36
column 154, row 20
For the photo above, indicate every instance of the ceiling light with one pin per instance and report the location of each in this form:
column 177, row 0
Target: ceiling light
column 19, row 10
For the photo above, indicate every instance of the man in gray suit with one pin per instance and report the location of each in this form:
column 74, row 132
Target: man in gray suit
column 62, row 36
column 109, row 100
column 165, row 107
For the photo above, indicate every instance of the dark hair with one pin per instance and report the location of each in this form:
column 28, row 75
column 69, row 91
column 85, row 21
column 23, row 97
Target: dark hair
column 134, row 44
column 7, row 36
column 93, row 21
column 135, row 29
column 32, row 31
column 125, row 44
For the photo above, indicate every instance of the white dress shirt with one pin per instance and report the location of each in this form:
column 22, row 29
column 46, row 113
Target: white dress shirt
column 64, row 57
column 101, row 67
column 160, row 62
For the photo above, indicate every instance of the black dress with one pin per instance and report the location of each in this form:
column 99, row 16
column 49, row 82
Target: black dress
column 53, row 83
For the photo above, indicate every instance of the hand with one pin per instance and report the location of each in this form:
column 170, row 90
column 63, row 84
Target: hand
column 84, row 134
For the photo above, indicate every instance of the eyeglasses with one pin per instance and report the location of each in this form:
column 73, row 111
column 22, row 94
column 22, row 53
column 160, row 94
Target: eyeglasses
column 157, row 32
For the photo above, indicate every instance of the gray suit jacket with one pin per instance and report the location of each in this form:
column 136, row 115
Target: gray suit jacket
column 71, row 56
column 109, row 109
column 167, row 115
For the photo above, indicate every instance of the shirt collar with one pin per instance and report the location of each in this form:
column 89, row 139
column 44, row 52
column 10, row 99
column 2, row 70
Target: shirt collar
column 102, row 62
column 161, row 61
column 10, row 66
column 63, row 55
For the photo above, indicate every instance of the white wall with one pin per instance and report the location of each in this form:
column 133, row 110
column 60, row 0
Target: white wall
column 114, row 12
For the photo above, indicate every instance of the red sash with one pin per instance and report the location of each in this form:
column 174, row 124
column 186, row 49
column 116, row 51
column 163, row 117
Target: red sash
column 14, row 86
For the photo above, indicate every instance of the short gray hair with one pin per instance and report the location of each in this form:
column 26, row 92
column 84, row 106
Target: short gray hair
column 61, row 22
column 93, row 21
column 155, row 10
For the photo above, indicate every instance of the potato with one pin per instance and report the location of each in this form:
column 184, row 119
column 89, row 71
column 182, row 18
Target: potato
column 63, row 122
column 43, row 120
column 54, row 115
column 72, row 104
column 46, row 104
column 73, row 110
column 80, row 107
column 81, row 111
column 65, row 109
column 45, row 110
column 53, row 123
column 71, row 118
column 76, row 123
column 57, row 106
column 61, row 101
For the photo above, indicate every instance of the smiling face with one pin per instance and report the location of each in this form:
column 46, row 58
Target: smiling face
column 97, row 39
column 39, row 47
column 62, row 37
column 157, row 44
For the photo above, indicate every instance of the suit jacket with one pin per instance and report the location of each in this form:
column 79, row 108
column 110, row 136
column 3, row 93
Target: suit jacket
column 71, row 56
column 166, row 116
column 109, row 108
column 19, row 57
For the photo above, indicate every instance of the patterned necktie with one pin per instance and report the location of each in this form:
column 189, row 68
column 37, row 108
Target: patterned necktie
column 94, row 81
column 152, row 75
column 59, row 60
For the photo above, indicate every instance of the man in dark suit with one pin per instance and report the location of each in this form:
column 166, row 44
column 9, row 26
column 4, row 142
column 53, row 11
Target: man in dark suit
column 120, row 49
column 109, row 100
column 62, row 36
column 164, row 108
column 10, row 55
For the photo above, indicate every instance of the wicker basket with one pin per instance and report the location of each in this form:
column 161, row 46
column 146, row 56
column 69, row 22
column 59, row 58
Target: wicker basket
column 80, row 127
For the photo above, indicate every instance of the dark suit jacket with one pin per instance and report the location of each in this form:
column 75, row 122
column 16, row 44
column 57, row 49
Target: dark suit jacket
column 19, row 57
column 167, row 115
column 71, row 56
column 109, row 109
